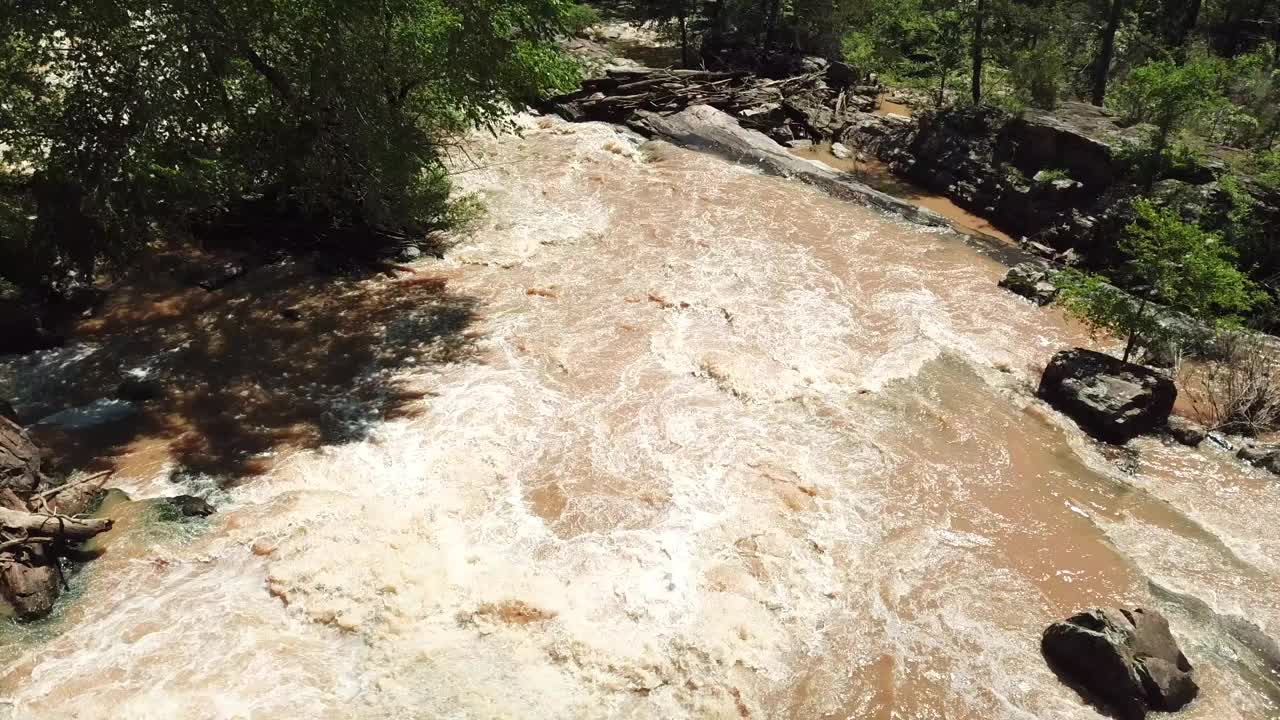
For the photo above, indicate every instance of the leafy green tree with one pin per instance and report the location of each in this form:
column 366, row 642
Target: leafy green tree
column 1171, row 97
column 121, row 116
column 1172, row 263
column 914, row 42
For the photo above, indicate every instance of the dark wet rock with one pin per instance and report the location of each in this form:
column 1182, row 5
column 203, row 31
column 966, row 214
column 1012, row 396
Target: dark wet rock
column 1110, row 399
column 7, row 412
column 1127, row 658
column 221, row 275
column 139, row 390
column 842, row 75
column 292, row 314
column 1263, row 456
column 190, row 506
column 879, row 135
column 1187, row 432
column 1031, row 280
column 23, row 329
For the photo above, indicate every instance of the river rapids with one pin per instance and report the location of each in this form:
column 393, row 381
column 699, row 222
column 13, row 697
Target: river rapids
column 722, row 447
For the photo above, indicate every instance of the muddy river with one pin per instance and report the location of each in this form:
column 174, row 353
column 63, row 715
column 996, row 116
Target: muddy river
column 660, row 437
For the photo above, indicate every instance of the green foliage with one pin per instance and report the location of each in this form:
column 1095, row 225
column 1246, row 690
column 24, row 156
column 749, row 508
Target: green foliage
column 1037, row 74
column 917, row 43
column 1052, row 175
column 128, row 115
column 1170, row 95
column 579, row 18
column 1251, row 82
column 1171, row 262
column 1265, row 164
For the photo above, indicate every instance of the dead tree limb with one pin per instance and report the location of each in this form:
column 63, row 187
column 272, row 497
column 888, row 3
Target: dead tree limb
column 62, row 527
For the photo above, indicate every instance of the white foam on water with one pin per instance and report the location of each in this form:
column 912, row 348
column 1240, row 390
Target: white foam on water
column 729, row 448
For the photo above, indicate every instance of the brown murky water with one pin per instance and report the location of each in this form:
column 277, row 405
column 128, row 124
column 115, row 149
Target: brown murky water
column 722, row 447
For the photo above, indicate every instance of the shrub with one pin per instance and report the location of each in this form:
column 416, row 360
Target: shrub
column 580, row 18
column 1236, row 391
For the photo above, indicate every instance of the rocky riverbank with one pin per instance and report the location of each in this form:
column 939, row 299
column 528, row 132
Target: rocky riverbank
column 1060, row 182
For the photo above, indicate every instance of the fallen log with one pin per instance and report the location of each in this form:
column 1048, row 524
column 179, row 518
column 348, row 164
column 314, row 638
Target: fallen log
column 29, row 574
column 63, row 528
column 806, row 106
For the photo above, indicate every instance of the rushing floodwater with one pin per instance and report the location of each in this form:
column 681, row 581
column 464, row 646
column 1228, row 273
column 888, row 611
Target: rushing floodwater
column 725, row 448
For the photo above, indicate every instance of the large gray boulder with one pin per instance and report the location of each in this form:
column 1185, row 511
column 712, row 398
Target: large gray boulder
column 1126, row 658
column 1110, row 399
column 1031, row 280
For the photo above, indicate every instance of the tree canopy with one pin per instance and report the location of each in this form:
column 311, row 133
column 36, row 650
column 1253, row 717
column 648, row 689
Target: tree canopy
column 118, row 117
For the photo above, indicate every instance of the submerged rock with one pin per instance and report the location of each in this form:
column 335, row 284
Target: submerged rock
column 102, row 411
column 190, row 506
column 22, row 330
column 1187, row 432
column 220, row 275
column 7, row 412
column 1110, row 399
column 1031, row 280
column 139, row 390
column 1126, row 658
column 1263, row 456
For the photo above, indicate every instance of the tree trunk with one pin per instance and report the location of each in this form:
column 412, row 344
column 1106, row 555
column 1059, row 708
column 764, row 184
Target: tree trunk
column 771, row 21
column 978, row 20
column 684, row 41
column 1133, row 334
column 1103, row 67
column 1188, row 23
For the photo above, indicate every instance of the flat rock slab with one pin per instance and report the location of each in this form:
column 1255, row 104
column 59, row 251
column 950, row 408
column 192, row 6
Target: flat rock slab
column 1126, row 658
column 1108, row 398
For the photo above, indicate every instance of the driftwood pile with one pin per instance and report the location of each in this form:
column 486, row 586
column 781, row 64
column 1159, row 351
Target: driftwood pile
column 815, row 105
column 40, row 523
